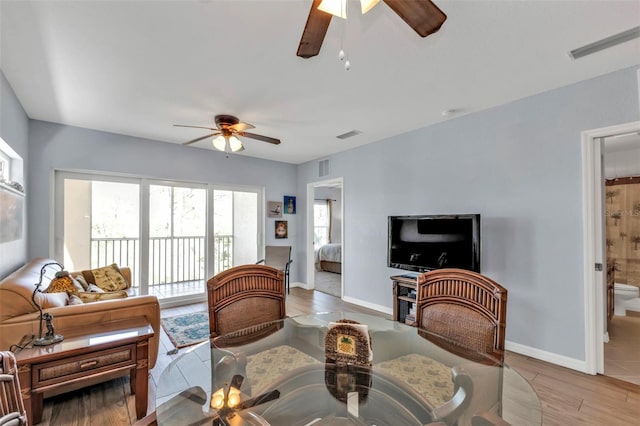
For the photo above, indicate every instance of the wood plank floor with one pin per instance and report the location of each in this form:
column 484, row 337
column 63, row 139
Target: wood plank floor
column 567, row 397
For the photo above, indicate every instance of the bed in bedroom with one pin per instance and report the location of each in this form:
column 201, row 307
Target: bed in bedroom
column 329, row 258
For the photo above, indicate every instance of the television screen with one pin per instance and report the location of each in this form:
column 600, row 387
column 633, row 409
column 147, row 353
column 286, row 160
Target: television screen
column 423, row 243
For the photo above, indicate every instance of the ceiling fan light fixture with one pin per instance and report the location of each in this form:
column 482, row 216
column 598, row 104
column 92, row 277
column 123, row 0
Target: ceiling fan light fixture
column 367, row 5
column 227, row 143
column 335, row 7
column 235, row 144
column 339, row 7
column 220, row 143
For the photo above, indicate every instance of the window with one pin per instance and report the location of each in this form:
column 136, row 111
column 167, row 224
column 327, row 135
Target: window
column 4, row 167
column 320, row 223
column 173, row 235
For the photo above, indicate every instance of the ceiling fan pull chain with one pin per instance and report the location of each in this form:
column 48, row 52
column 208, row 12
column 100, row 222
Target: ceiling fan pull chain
column 342, row 55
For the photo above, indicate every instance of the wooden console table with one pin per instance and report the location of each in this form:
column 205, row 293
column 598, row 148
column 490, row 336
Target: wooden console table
column 80, row 361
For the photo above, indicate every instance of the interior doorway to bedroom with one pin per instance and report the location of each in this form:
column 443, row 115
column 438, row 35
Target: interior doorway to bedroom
column 325, row 272
column 611, row 203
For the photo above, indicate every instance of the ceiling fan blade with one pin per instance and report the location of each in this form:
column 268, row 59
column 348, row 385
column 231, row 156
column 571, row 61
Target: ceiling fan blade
column 194, row 127
column 314, row 31
column 240, row 127
column 260, row 399
column 421, row 15
column 199, row 139
column 261, row 138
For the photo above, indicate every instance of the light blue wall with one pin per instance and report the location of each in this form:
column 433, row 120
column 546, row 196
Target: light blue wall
column 55, row 146
column 519, row 166
column 14, row 131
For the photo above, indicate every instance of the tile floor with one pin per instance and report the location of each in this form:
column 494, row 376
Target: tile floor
column 622, row 352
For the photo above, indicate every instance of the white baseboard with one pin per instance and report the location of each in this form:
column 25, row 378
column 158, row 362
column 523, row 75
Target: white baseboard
column 561, row 360
column 301, row 285
column 605, row 339
column 379, row 308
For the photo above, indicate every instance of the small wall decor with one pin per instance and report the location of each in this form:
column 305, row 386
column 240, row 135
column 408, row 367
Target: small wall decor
column 11, row 213
column 274, row 209
column 281, row 229
column 289, row 204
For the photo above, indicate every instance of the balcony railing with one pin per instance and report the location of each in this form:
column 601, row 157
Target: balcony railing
column 171, row 260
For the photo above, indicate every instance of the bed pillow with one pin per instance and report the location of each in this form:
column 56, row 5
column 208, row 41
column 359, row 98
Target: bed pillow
column 108, row 278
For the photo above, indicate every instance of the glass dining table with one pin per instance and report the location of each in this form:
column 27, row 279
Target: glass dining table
column 279, row 373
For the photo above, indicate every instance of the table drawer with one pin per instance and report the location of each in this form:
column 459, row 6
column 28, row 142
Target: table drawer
column 82, row 365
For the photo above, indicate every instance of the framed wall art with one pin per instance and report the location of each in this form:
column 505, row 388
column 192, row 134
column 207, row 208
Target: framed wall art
column 11, row 214
column 289, row 204
column 274, row 208
column 281, row 229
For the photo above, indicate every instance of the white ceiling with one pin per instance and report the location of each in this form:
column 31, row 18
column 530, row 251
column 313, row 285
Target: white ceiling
column 137, row 67
column 620, row 143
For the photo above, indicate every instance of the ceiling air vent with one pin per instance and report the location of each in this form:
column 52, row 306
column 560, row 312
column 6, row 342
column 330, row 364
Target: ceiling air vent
column 323, row 168
column 605, row 43
column 349, row 134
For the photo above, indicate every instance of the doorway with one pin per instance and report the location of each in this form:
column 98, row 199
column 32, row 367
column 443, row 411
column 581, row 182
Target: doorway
column 325, row 267
column 611, row 340
column 622, row 239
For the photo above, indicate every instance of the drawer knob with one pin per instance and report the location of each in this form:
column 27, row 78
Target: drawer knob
column 89, row 364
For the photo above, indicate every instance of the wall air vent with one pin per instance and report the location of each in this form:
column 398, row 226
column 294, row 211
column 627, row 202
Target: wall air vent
column 323, row 168
column 605, row 43
column 349, row 134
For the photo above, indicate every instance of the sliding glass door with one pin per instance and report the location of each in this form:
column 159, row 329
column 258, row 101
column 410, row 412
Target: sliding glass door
column 100, row 224
column 235, row 228
column 177, row 236
column 161, row 230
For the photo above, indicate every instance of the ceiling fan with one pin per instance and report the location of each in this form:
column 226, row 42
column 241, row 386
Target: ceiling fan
column 228, row 129
column 421, row 15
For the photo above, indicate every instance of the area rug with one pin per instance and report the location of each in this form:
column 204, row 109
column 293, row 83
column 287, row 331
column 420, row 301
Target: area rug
column 328, row 282
column 187, row 329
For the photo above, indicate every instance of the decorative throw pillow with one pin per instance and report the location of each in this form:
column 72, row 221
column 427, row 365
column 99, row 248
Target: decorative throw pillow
column 81, row 281
column 62, row 283
column 94, row 289
column 88, row 297
column 108, row 278
column 75, row 300
column 52, row 300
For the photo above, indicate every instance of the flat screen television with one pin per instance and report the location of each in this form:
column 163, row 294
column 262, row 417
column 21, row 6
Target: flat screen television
column 427, row 242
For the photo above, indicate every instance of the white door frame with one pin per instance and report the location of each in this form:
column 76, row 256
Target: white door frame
column 310, row 251
column 593, row 233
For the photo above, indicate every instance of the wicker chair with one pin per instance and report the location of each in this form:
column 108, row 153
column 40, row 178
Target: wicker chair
column 245, row 296
column 463, row 312
column 278, row 257
column 12, row 410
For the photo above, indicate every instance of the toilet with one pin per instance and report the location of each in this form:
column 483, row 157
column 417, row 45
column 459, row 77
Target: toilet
column 622, row 293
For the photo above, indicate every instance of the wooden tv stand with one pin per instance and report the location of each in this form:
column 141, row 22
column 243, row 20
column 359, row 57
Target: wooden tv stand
column 80, row 361
column 404, row 296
